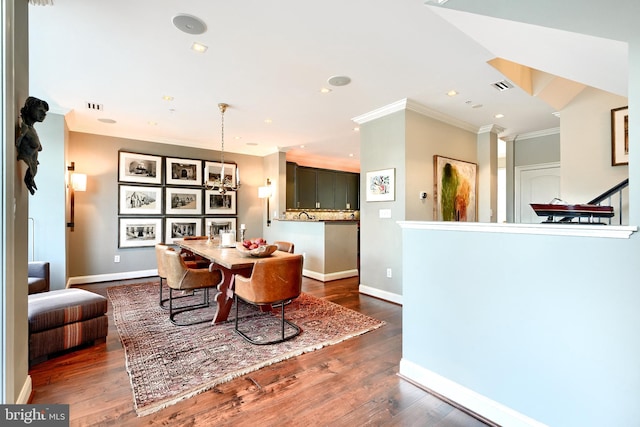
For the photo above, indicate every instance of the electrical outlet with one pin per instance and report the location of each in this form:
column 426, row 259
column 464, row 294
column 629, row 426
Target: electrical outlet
column 389, row 273
column 116, row 258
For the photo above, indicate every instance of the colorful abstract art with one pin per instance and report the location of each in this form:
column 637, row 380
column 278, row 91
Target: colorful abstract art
column 455, row 186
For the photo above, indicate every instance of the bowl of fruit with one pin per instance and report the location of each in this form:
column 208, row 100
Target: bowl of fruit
column 256, row 247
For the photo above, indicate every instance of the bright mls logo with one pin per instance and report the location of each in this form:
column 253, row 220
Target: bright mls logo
column 34, row 415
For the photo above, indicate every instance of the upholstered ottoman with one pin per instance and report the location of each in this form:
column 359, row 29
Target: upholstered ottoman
column 66, row 318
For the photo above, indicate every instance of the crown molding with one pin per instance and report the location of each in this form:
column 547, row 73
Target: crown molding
column 408, row 104
column 530, row 135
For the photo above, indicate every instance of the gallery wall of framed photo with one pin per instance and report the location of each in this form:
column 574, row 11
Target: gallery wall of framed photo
column 162, row 198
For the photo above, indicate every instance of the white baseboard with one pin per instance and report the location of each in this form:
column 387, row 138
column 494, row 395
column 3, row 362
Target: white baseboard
column 25, row 393
column 330, row 276
column 78, row 280
column 481, row 405
column 378, row 293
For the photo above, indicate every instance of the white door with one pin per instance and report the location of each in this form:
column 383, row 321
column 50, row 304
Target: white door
column 535, row 184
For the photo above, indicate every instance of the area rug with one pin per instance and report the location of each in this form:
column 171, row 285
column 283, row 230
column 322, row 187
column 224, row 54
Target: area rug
column 168, row 363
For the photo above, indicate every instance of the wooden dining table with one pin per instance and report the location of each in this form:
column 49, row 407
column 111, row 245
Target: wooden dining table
column 231, row 261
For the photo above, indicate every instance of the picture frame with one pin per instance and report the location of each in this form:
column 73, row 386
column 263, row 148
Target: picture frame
column 620, row 136
column 183, row 201
column 178, row 228
column 380, row 185
column 219, row 223
column 455, row 191
column 213, row 170
column 139, row 168
column 217, row 203
column 139, row 232
column 139, row 200
column 183, row 171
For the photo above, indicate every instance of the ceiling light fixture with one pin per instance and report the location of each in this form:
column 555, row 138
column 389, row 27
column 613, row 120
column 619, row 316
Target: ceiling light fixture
column 452, row 93
column 499, row 116
column 199, row 47
column 339, row 80
column 222, row 183
column 325, row 90
column 167, row 98
column 188, row 23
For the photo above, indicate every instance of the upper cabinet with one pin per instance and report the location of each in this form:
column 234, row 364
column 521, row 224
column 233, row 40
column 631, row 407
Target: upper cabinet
column 313, row 188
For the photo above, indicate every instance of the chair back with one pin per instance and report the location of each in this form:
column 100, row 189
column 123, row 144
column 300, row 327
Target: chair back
column 179, row 276
column 272, row 280
column 284, row 246
column 162, row 270
column 175, row 268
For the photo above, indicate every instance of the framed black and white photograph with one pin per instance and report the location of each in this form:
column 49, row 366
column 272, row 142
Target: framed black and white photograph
column 139, row 232
column 183, row 171
column 178, row 228
column 213, row 173
column 217, row 203
column 139, row 200
column 219, row 224
column 183, row 201
column 139, row 168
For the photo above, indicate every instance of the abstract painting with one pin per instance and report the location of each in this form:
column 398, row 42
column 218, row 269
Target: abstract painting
column 455, row 190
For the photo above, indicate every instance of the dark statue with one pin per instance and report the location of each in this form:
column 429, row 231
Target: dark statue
column 28, row 143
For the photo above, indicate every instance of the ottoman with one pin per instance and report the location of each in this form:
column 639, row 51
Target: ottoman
column 62, row 319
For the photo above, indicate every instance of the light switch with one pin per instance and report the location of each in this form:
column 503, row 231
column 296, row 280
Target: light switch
column 385, row 213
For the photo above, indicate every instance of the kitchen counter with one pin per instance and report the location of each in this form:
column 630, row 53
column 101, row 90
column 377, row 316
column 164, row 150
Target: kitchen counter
column 329, row 246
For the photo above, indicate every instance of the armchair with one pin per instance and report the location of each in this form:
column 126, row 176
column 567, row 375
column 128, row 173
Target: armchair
column 38, row 277
column 181, row 277
column 273, row 281
column 285, row 246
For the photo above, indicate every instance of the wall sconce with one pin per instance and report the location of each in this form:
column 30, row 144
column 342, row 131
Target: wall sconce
column 76, row 182
column 265, row 193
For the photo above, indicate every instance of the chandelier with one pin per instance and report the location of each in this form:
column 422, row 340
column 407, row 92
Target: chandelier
column 229, row 177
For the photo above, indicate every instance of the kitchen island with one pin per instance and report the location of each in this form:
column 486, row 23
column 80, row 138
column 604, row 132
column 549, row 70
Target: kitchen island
column 329, row 247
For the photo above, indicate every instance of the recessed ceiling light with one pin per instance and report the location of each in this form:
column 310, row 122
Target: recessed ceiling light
column 252, row 143
column 302, row 146
column 350, row 154
column 452, row 93
column 356, row 129
column 268, row 121
column 167, row 98
column 189, row 24
column 556, row 113
column 237, row 137
column 199, row 47
column 325, row 90
column 339, row 80
column 476, row 106
column 499, row 116
column 152, row 123
column 110, row 121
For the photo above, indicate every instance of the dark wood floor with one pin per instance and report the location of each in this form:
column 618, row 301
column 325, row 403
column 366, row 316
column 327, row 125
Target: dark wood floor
column 353, row 383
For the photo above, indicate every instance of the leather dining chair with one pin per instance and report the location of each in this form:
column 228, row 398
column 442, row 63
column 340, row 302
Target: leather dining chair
column 194, row 260
column 181, row 277
column 284, row 246
column 273, row 281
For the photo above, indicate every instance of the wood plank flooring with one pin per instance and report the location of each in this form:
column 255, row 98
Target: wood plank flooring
column 354, row 383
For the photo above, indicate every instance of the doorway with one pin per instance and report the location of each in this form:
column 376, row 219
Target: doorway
column 535, row 184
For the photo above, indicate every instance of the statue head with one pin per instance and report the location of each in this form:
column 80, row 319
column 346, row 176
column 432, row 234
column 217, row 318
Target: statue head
column 34, row 110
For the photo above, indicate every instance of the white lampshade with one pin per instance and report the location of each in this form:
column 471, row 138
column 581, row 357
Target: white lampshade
column 264, row 192
column 79, row 181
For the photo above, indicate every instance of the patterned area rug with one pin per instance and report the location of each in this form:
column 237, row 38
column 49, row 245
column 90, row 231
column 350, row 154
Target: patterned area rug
column 168, row 363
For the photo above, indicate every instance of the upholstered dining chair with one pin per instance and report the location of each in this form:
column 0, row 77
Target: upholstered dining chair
column 284, row 246
column 273, row 281
column 194, row 260
column 181, row 277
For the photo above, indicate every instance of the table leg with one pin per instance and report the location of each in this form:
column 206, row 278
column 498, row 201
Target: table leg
column 224, row 296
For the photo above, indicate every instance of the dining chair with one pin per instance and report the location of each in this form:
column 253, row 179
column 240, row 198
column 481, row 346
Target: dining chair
column 181, row 277
column 189, row 257
column 273, row 281
column 284, row 246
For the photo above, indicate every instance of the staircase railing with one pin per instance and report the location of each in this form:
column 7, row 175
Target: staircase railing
column 608, row 195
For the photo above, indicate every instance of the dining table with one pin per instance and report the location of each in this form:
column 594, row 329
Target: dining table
column 230, row 261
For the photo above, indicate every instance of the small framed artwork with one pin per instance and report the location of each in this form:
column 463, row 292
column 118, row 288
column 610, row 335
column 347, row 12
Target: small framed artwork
column 455, row 190
column 381, row 185
column 217, row 203
column 213, row 174
column 177, row 228
column 219, row 224
column 620, row 136
column 139, row 232
column 183, row 171
column 139, row 168
column 183, row 201
column 139, row 200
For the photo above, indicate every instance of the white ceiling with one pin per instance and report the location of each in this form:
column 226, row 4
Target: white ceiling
column 269, row 60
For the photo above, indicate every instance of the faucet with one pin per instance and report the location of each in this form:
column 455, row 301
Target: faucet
column 305, row 213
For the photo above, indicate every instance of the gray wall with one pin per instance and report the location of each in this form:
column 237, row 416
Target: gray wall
column 406, row 141
column 537, row 150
